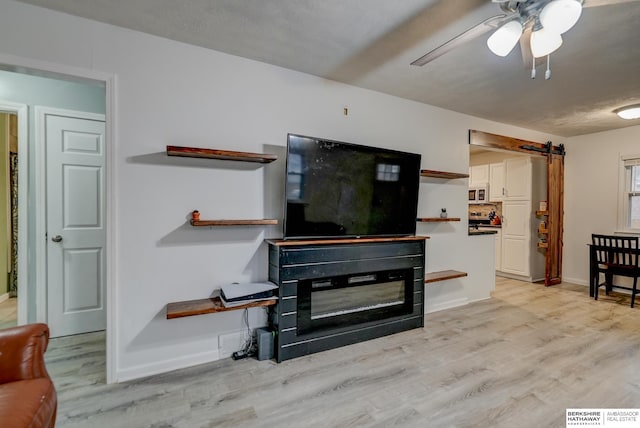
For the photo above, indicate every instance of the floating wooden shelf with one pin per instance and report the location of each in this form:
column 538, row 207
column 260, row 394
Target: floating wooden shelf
column 436, row 219
column 207, row 306
column 441, row 174
column 193, row 152
column 443, row 275
column 543, row 231
column 543, row 245
column 541, row 213
column 257, row 222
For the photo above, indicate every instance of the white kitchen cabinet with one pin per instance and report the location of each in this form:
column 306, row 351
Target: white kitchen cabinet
column 499, row 250
column 518, row 174
column 478, row 175
column 513, row 257
column 516, row 237
column 498, row 247
column 496, row 181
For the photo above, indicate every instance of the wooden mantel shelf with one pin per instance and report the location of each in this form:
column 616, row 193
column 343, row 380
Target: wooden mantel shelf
column 256, row 222
column 193, row 152
column 436, row 219
column 442, row 174
column 443, row 275
column 294, row 242
column 207, row 306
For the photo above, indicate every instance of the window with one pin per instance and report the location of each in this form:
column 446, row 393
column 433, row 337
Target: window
column 386, row 172
column 629, row 194
column 295, row 176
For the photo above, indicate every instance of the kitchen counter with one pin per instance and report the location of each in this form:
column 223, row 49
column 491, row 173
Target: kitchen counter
column 484, row 225
column 481, row 225
column 474, row 231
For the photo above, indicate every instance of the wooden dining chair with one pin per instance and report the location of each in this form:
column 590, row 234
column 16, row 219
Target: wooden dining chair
column 616, row 256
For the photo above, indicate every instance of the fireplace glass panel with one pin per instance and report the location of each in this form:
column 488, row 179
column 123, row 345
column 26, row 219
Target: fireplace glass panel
column 340, row 302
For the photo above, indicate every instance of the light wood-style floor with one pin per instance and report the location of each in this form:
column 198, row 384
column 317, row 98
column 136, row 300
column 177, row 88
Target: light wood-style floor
column 518, row 359
column 9, row 313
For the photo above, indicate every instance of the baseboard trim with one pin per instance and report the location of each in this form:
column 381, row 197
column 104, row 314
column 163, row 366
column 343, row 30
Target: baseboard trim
column 514, row 276
column 144, row 370
column 576, row 281
column 453, row 303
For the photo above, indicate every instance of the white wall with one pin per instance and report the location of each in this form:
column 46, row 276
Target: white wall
column 172, row 93
column 491, row 156
column 591, row 193
column 50, row 92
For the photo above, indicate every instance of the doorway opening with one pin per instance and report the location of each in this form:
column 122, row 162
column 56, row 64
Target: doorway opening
column 515, row 183
column 26, row 90
column 13, row 149
column 543, row 213
column 8, row 219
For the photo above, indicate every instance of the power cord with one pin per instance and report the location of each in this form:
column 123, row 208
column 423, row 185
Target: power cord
column 249, row 348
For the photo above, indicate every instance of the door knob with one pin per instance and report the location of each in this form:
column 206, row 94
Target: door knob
column 57, row 238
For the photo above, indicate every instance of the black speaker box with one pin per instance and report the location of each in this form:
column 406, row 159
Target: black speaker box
column 264, row 337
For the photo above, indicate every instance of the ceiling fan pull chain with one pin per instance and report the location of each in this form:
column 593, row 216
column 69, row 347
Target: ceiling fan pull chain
column 533, row 67
column 547, row 74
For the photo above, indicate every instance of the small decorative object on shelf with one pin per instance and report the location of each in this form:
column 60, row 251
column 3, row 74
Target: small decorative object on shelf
column 443, row 213
column 195, row 215
column 543, row 206
column 542, row 242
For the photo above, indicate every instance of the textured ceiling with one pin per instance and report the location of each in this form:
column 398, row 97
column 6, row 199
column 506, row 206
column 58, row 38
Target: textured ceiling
column 370, row 43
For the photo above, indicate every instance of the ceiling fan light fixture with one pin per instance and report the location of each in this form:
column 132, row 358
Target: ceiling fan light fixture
column 544, row 41
column 504, row 39
column 629, row 112
column 560, row 15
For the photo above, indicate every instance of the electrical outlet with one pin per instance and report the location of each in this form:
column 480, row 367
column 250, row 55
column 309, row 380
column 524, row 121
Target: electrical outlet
column 231, row 342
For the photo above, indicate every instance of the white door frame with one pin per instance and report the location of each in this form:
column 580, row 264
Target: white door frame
column 14, row 63
column 21, row 110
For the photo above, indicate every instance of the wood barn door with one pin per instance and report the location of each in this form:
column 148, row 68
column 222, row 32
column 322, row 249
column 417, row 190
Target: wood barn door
column 555, row 208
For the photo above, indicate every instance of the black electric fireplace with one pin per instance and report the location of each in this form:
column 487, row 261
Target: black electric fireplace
column 333, row 302
column 338, row 292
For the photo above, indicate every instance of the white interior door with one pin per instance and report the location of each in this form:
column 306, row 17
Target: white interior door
column 76, row 235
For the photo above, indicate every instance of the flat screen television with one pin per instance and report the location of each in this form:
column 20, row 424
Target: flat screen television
column 335, row 189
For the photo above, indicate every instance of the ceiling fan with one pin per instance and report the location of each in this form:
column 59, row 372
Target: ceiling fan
column 537, row 24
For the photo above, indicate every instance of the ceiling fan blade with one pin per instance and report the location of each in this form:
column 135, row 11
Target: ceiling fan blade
column 598, row 3
column 525, row 47
column 473, row 32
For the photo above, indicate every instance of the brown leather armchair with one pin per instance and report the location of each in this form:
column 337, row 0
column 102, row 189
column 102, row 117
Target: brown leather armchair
column 27, row 394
